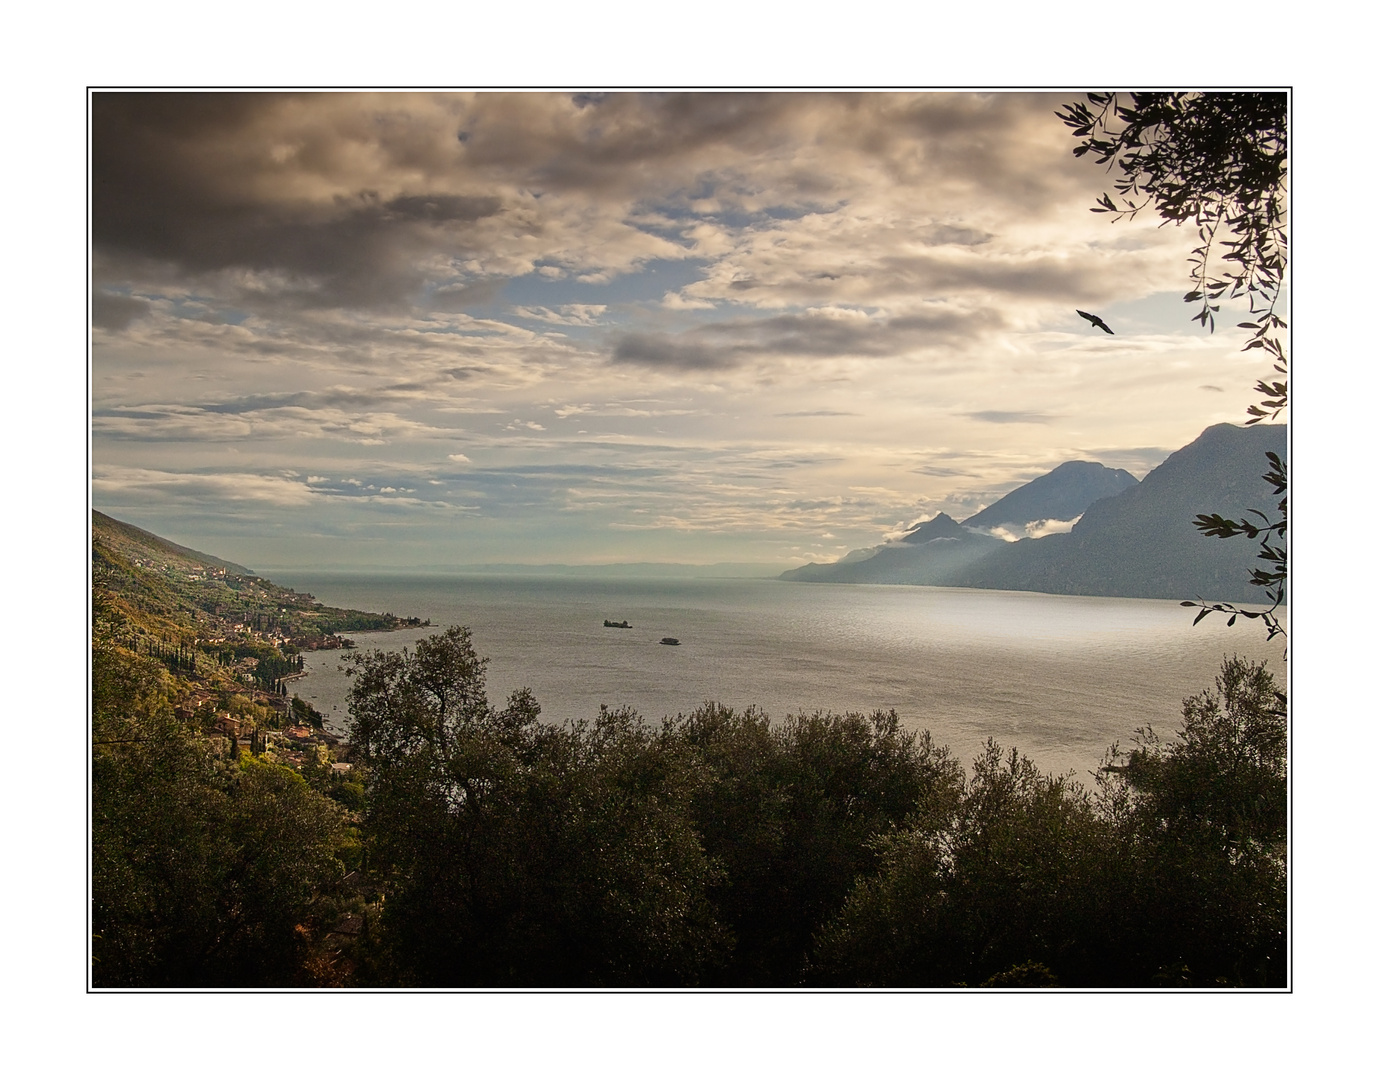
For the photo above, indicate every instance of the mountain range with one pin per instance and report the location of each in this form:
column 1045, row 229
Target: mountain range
column 1129, row 538
column 1061, row 495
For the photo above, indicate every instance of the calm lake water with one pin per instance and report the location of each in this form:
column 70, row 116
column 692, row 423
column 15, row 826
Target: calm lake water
column 1059, row 677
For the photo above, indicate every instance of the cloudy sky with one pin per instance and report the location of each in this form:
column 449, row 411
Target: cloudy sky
column 443, row 329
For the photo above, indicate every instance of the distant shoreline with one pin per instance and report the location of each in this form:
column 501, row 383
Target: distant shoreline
column 752, row 571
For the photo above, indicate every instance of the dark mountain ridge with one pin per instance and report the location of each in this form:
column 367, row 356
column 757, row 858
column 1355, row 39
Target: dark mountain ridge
column 941, row 526
column 933, row 554
column 1060, row 495
column 938, row 551
column 1138, row 541
column 1142, row 542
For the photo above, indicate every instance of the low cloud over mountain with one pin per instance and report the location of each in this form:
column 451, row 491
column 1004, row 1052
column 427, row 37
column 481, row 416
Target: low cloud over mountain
column 1130, row 539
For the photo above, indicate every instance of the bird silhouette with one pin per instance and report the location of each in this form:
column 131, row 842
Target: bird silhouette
column 1095, row 320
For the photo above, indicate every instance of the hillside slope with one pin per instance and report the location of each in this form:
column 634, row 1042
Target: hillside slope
column 175, row 595
column 138, row 544
column 939, row 551
column 1060, row 495
column 935, row 553
column 1142, row 541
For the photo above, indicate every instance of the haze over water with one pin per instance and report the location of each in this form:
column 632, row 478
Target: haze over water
column 1059, row 677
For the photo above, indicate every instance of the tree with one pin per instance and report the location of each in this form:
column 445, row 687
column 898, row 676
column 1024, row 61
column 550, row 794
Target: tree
column 1218, row 162
column 789, row 810
column 1015, row 887
column 1173, row 873
column 206, row 869
column 519, row 853
column 1204, row 820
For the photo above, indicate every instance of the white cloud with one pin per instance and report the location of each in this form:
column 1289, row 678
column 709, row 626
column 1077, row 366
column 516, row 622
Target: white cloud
column 564, row 315
column 821, row 304
column 1043, row 527
column 119, row 485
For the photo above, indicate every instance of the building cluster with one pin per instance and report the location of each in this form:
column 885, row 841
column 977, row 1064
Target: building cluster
column 294, row 744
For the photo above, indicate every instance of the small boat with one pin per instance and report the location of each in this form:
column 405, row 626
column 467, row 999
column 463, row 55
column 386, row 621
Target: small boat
column 624, row 625
column 670, row 641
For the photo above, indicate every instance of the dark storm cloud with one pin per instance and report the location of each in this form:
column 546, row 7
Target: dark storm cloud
column 441, row 208
column 602, row 142
column 360, row 201
column 737, row 342
column 110, row 311
column 189, row 180
column 664, row 351
column 290, row 183
column 980, row 137
column 592, row 148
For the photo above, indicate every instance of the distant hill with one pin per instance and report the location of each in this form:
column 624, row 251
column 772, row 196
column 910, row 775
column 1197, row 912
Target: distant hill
column 1142, row 541
column 1135, row 540
column 171, row 593
column 675, row 571
column 119, row 536
column 935, row 553
column 939, row 551
column 938, row 527
column 1060, row 495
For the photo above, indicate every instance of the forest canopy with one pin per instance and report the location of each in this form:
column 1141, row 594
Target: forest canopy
column 477, row 845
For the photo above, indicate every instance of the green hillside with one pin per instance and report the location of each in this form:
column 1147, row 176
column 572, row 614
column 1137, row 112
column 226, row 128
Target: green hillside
column 136, row 544
column 209, row 620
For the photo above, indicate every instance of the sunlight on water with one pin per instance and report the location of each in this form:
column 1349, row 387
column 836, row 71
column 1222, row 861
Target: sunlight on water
column 1059, row 677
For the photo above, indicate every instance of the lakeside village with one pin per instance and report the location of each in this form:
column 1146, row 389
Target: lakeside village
column 260, row 715
column 231, row 641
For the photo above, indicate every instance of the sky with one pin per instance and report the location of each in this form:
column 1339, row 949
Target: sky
column 394, row 330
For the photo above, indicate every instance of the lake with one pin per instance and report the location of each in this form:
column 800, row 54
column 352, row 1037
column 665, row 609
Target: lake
column 1058, row 677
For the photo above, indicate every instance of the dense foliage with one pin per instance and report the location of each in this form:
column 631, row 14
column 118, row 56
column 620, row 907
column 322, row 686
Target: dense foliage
column 1218, row 161
column 1173, row 873
column 208, row 869
column 205, row 614
column 721, row 849
column 488, row 848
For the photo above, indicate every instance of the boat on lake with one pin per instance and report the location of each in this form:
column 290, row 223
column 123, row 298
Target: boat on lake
column 670, row 641
column 624, row 625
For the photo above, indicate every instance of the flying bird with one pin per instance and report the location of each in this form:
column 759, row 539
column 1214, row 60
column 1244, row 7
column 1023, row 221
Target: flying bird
column 1095, row 320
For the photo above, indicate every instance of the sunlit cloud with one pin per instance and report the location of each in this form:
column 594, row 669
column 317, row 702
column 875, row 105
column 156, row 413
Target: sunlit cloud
column 689, row 326
column 121, row 485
